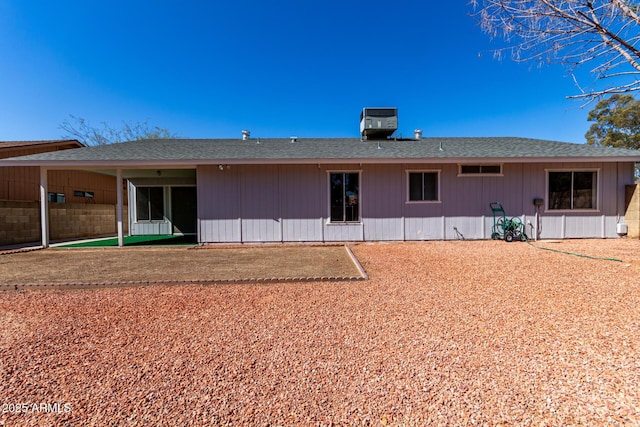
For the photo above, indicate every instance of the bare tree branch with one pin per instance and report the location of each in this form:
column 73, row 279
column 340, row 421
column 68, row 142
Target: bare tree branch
column 601, row 34
column 78, row 128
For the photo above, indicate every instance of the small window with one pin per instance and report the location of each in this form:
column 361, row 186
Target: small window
column 345, row 196
column 424, row 186
column 79, row 193
column 569, row 190
column 150, row 203
column 480, row 170
column 56, row 197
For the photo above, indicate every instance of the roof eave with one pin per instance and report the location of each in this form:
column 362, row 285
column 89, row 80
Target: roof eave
column 24, row 145
column 192, row 163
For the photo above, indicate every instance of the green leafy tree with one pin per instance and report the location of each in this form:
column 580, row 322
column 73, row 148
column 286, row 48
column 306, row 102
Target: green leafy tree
column 80, row 129
column 617, row 122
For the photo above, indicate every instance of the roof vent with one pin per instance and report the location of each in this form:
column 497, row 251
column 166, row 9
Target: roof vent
column 293, row 139
column 378, row 122
column 417, row 134
column 246, row 135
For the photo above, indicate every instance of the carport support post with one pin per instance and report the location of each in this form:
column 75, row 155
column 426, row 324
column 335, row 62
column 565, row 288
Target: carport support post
column 44, row 208
column 119, row 207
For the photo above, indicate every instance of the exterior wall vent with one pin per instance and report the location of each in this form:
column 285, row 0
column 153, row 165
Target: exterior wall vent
column 378, row 122
column 246, row 135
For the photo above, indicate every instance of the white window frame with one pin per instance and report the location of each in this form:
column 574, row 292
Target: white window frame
column 359, row 221
column 407, row 186
column 576, row 169
column 165, row 205
column 500, row 165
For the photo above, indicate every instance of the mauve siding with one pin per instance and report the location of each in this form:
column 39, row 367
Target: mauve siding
column 612, row 178
column 425, row 221
column 466, row 200
column 382, row 200
column 303, row 203
column 219, row 204
column 260, row 196
column 290, row 203
column 343, row 232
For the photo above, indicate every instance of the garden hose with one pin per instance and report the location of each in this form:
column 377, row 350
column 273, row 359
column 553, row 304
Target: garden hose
column 526, row 239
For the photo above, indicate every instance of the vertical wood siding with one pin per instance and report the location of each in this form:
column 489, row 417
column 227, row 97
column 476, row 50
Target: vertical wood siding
column 103, row 187
column 302, row 203
column 23, row 183
column 290, row 203
column 150, row 228
column 219, row 204
column 382, row 201
column 423, row 228
column 260, row 198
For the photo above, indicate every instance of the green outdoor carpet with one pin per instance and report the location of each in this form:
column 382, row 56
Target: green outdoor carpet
column 136, row 241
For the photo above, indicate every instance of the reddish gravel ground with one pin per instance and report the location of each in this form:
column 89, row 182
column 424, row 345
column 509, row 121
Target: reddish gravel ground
column 443, row 333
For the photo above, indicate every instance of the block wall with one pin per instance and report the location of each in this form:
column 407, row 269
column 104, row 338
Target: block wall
column 20, row 221
column 77, row 220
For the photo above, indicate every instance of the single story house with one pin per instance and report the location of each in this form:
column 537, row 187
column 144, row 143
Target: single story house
column 355, row 189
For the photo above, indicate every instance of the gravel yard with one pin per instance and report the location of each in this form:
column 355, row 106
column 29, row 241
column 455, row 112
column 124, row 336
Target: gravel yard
column 443, row 333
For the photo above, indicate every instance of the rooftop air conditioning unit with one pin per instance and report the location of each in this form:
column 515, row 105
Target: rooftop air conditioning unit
column 378, row 122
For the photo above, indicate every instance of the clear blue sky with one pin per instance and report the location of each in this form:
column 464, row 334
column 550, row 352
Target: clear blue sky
column 278, row 68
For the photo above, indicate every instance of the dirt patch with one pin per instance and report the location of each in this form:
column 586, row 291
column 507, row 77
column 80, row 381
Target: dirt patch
column 170, row 265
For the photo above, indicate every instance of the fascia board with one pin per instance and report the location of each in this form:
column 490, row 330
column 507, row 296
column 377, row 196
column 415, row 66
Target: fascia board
column 192, row 163
column 448, row 160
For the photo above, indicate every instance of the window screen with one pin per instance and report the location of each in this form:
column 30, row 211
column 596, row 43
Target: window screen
column 423, row 186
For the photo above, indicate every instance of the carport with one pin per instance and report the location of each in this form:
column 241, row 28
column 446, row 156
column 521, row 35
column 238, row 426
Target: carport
column 162, row 199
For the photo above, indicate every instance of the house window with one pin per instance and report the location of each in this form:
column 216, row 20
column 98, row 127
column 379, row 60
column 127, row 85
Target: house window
column 345, row 196
column 150, row 203
column 56, row 197
column 480, row 169
column 424, row 186
column 569, row 190
column 80, row 193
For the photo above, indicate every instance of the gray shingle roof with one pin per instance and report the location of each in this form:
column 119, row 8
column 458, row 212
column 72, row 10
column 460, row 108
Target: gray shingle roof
column 272, row 150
